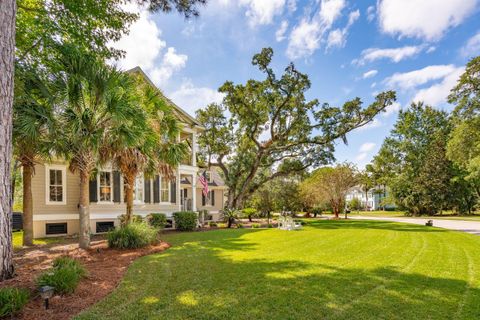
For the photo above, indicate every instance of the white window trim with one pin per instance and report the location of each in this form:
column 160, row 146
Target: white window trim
column 135, row 201
column 63, row 168
column 160, row 192
column 111, row 186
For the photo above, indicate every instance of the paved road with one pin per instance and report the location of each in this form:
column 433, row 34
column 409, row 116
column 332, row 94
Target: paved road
column 472, row 227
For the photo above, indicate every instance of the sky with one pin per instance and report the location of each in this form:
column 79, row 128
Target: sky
column 348, row 49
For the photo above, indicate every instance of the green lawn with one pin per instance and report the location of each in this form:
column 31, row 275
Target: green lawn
column 401, row 214
column 329, row 270
column 17, row 237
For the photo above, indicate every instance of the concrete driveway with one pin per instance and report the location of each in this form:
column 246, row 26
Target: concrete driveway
column 472, row 227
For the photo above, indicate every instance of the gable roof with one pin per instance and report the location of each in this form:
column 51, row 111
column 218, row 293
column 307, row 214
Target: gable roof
column 182, row 115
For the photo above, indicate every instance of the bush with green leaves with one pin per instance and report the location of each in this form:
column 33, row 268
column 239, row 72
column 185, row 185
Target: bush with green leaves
column 12, row 300
column 230, row 216
column 249, row 213
column 136, row 218
column 132, row 236
column 157, row 220
column 64, row 276
column 212, row 224
column 255, row 225
column 185, row 220
column 355, row 204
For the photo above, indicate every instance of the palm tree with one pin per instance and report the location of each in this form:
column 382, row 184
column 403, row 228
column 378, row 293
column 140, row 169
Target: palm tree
column 33, row 124
column 149, row 145
column 98, row 101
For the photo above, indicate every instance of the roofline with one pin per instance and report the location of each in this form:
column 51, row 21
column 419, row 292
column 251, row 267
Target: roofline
column 194, row 121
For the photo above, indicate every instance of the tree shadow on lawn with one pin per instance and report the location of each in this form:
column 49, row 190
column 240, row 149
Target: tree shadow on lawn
column 365, row 224
column 197, row 281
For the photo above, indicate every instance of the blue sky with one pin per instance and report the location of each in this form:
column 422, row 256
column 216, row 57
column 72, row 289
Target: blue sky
column 348, row 48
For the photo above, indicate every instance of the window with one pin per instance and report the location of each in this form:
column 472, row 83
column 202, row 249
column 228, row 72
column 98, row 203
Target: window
column 138, row 190
column 211, row 198
column 55, row 189
column 56, row 228
column 164, row 190
column 104, row 226
column 105, row 186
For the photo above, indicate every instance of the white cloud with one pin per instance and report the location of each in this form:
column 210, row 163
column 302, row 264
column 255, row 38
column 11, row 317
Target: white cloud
column 261, row 12
column 171, row 63
column 373, row 85
column 438, row 93
column 412, row 79
column 191, row 98
column 370, row 13
column 369, row 74
column 280, row 34
column 338, row 37
column 292, row 5
column 144, row 47
column 425, row 19
column 367, row 147
column 143, row 44
column 361, row 156
column 431, row 49
column 394, row 54
column 472, row 47
column 306, row 36
column 391, row 109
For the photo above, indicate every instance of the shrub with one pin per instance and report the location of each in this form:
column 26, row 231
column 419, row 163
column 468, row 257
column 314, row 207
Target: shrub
column 12, row 300
column 132, row 236
column 212, row 224
column 64, row 276
column 185, row 220
column 221, row 225
column 239, row 226
column 136, row 218
column 255, row 225
column 157, row 220
column 355, row 204
column 249, row 213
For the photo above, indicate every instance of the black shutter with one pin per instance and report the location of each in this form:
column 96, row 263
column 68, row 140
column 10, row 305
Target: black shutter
column 92, row 188
column 173, row 191
column 156, row 190
column 213, row 197
column 116, row 186
column 203, row 199
column 146, row 183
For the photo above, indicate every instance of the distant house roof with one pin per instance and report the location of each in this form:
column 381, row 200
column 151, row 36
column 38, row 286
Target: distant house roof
column 179, row 112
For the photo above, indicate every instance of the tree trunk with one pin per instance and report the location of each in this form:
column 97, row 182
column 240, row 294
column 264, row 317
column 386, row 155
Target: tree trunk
column 14, row 180
column 7, row 56
column 27, row 206
column 84, row 211
column 130, row 182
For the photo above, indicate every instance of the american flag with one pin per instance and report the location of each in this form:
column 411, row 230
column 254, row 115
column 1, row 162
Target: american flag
column 204, row 182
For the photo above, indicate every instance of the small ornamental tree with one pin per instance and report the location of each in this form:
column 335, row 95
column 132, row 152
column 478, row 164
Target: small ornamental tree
column 331, row 184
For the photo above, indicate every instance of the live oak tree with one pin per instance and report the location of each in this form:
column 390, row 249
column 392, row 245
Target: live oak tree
column 270, row 124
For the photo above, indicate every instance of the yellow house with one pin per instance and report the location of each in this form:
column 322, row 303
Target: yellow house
column 56, row 190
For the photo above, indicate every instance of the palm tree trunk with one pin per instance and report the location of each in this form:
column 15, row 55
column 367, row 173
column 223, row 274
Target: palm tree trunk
column 366, row 200
column 130, row 182
column 27, row 205
column 7, row 55
column 84, row 211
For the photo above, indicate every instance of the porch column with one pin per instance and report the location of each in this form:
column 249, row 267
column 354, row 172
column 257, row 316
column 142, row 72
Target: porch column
column 194, row 192
column 194, row 149
column 179, row 188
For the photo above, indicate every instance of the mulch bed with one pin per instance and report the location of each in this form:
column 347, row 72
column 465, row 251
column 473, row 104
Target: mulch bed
column 105, row 266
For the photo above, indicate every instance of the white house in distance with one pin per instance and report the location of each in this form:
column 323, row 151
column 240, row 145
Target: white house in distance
column 56, row 190
column 372, row 199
